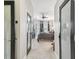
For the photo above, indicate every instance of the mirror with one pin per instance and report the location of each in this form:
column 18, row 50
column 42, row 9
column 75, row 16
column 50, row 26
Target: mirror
column 28, row 33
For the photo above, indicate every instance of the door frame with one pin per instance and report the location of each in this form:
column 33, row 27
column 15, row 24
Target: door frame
column 11, row 3
column 72, row 40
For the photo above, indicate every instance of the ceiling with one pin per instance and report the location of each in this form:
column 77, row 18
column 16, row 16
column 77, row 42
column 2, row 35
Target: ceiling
column 43, row 6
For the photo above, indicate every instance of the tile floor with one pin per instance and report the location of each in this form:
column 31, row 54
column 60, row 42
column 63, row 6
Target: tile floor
column 41, row 50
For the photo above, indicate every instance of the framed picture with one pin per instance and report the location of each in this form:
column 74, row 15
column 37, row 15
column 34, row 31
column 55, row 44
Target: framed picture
column 28, row 33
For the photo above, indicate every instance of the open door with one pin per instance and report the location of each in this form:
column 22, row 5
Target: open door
column 9, row 30
column 67, row 30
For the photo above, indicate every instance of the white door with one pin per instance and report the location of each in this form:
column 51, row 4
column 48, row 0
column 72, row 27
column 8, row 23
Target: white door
column 7, row 32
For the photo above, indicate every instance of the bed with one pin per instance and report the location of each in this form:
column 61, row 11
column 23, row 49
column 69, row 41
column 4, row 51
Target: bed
column 46, row 36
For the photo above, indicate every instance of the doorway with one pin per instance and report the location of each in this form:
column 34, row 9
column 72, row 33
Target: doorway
column 67, row 30
column 9, row 30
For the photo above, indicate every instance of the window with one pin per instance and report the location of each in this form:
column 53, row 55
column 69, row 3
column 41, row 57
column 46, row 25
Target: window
column 41, row 26
column 48, row 26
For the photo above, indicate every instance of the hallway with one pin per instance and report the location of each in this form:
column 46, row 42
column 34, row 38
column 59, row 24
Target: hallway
column 39, row 29
column 41, row 50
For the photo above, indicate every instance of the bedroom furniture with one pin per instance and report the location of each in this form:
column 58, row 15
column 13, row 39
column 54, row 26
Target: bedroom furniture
column 46, row 36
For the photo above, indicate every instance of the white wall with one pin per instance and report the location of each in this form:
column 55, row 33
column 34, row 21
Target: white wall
column 25, row 6
column 17, row 27
column 57, row 26
column 50, row 25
